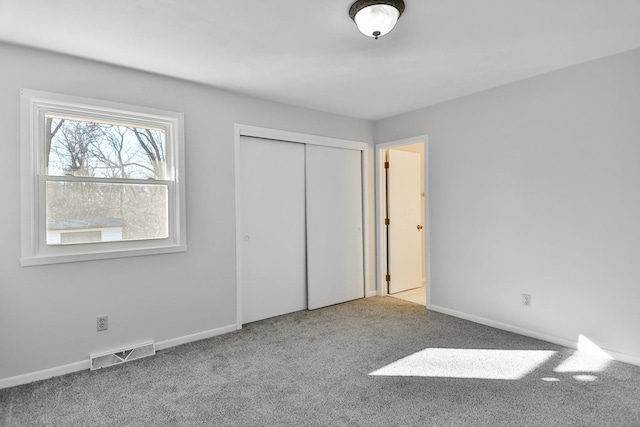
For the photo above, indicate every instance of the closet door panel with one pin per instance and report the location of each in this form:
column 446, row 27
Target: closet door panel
column 335, row 270
column 273, row 246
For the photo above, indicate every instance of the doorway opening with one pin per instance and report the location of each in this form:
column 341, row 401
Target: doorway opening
column 403, row 232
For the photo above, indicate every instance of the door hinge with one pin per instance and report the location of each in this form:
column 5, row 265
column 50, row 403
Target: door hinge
column 387, row 221
column 388, row 278
column 386, row 165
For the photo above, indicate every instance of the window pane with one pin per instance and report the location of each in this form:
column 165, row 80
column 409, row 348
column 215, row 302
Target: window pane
column 86, row 212
column 87, row 148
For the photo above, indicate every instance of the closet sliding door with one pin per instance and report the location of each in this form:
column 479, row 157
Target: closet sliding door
column 272, row 223
column 335, row 263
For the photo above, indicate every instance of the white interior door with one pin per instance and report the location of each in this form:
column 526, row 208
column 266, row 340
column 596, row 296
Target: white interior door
column 272, row 200
column 335, row 264
column 405, row 227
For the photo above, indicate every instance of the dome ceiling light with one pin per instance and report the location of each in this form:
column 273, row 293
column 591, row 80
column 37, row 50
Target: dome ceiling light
column 375, row 18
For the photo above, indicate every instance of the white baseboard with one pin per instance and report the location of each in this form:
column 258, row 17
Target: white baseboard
column 85, row 364
column 44, row 374
column 371, row 294
column 621, row 357
column 161, row 345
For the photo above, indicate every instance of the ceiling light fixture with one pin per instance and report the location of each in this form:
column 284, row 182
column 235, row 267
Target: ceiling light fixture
column 375, row 18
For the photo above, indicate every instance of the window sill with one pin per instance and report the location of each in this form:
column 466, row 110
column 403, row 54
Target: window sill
column 92, row 256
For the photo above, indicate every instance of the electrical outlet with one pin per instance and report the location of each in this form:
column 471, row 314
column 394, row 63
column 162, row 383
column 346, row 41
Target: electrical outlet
column 526, row 300
column 102, row 323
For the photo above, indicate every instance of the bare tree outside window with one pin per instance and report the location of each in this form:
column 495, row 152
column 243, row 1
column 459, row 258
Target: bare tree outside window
column 80, row 148
column 99, row 179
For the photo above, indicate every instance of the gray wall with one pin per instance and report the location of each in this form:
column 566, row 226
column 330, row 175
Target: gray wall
column 535, row 188
column 47, row 313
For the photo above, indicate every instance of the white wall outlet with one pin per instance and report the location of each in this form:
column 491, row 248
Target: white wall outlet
column 526, row 300
column 102, row 323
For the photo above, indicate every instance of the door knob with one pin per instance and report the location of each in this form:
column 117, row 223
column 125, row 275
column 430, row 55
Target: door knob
column 419, row 227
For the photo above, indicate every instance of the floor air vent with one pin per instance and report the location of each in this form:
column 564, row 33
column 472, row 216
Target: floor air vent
column 110, row 358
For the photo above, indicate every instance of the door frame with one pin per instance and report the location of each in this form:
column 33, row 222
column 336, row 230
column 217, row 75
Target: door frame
column 381, row 197
column 366, row 151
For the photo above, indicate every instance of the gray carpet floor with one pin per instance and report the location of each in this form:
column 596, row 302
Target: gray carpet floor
column 312, row 368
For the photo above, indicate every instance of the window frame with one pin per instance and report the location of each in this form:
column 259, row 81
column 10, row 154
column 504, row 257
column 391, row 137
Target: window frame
column 34, row 105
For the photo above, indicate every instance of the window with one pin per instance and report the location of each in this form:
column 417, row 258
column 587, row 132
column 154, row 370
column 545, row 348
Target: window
column 99, row 179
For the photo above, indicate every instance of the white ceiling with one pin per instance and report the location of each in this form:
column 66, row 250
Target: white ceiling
column 309, row 53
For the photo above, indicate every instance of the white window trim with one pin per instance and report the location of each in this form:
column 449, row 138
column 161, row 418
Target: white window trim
column 33, row 105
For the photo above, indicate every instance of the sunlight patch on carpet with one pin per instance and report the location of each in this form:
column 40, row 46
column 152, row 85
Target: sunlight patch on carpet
column 467, row 363
column 589, row 358
column 587, row 378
